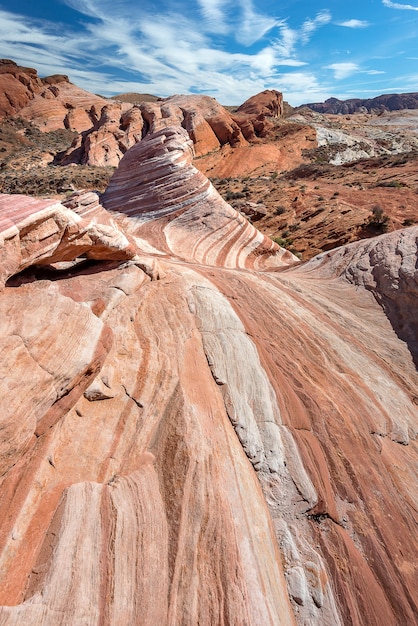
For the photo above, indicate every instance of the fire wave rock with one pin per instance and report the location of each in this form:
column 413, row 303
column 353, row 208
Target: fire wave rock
column 189, row 439
column 178, row 210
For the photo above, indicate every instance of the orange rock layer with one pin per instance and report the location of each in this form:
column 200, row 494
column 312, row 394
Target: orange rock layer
column 204, row 432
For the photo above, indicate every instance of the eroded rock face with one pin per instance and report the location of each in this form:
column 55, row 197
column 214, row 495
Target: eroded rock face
column 39, row 232
column 385, row 102
column 204, row 432
column 51, row 103
column 209, row 126
column 18, row 86
column 175, row 208
column 268, row 102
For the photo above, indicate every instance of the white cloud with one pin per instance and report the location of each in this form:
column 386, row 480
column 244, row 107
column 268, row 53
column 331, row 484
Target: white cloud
column 396, row 5
column 354, row 24
column 343, row 70
column 214, row 16
column 252, row 26
column 286, row 44
column 119, row 46
column 310, row 26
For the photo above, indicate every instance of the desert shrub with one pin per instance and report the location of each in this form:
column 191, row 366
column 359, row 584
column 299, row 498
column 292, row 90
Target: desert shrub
column 234, row 195
column 279, row 210
column 281, row 241
column 389, row 183
column 379, row 219
column 408, row 222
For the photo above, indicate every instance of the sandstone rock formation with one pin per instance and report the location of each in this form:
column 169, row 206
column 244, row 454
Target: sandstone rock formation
column 107, row 129
column 18, row 86
column 51, row 103
column 205, row 432
column 255, row 115
column 174, row 208
column 38, row 232
column 209, row 126
column 268, row 102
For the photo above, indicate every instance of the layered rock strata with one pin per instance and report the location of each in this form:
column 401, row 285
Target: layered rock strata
column 39, row 232
column 208, row 124
column 176, row 209
column 51, row 103
column 206, row 432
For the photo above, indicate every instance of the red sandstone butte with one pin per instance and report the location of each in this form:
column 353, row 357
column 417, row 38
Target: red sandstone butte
column 205, row 431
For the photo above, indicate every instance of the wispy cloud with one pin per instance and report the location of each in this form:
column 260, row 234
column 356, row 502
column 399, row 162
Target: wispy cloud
column 252, row 26
column 311, row 25
column 354, row 24
column 286, row 43
column 397, row 5
column 224, row 49
column 150, row 52
column 343, row 70
column 214, row 15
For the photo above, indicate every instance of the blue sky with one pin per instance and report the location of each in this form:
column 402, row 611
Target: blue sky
column 229, row 50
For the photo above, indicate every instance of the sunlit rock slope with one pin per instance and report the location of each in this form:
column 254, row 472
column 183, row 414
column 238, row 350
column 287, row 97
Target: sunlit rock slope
column 196, row 429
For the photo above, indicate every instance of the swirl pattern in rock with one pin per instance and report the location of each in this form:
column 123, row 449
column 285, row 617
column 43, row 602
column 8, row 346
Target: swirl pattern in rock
column 189, row 439
column 177, row 209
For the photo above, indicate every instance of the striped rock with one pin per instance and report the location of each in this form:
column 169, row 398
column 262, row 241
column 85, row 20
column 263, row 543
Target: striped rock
column 175, row 208
column 208, row 433
column 42, row 232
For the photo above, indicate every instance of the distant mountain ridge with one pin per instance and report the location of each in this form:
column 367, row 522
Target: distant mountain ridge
column 385, row 102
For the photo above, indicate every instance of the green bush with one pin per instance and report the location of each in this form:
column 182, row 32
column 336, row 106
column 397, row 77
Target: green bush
column 379, row 219
column 280, row 210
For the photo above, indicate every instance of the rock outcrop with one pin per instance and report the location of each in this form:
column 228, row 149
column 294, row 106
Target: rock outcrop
column 268, row 102
column 255, row 116
column 18, row 86
column 108, row 128
column 175, row 208
column 209, row 126
column 39, row 232
column 385, row 102
column 51, row 103
column 203, row 432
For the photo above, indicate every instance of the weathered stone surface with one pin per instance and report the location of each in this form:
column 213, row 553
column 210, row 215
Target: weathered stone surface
column 51, row 103
column 268, row 102
column 18, row 85
column 63, row 105
column 177, row 210
column 253, row 210
column 209, row 126
column 187, row 430
column 42, row 232
column 255, row 115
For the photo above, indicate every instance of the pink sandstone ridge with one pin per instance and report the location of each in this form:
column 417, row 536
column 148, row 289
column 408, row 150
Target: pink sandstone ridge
column 195, row 427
